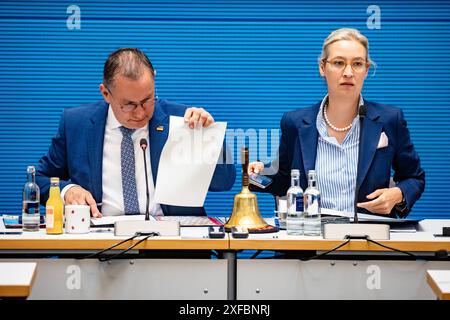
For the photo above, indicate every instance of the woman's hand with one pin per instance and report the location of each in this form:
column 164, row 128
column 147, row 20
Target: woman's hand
column 255, row 167
column 384, row 200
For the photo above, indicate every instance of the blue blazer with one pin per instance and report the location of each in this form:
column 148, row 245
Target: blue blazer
column 298, row 150
column 76, row 152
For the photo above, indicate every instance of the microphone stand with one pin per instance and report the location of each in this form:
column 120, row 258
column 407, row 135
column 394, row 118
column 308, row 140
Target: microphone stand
column 362, row 115
column 146, row 228
column 357, row 230
column 144, row 148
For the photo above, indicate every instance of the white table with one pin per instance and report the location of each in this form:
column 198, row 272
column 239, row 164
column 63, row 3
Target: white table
column 16, row 279
column 359, row 270
column 439, row 282
column 63, row 276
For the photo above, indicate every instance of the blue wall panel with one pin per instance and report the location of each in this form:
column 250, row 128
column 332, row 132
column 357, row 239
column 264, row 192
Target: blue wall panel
column 245, row 61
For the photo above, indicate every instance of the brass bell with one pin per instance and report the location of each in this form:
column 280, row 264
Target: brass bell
column 245, row 209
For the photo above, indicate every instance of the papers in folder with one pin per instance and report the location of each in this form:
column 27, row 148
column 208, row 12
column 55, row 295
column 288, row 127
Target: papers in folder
column 396, row 225
column 361, row 216
column 187, row 163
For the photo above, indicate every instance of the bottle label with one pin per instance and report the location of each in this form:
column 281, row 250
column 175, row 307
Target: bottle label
column 299, row 203
column 31, row 207
column 49, row 217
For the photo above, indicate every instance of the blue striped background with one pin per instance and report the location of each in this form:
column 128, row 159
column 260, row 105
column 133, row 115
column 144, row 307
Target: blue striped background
column 245, row 61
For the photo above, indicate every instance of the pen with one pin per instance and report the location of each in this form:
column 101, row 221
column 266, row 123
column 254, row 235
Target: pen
column 101, row 230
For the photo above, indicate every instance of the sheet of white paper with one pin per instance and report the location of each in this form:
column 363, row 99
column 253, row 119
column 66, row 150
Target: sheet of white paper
column 112, row 219
column 187, row 163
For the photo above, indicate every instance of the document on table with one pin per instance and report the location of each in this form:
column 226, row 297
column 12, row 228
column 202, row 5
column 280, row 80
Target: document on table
column 361, row 216
column 396, row 225
column 192, row 221
column 110, row 220
column 187, row 163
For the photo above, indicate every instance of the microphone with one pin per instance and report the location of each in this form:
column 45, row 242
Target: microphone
column 357, row 230
column 144, row 145
column 362, row 114
column 130, row 228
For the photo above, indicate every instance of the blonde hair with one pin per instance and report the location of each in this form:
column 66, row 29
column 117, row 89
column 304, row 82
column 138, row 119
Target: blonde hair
column 345, row 34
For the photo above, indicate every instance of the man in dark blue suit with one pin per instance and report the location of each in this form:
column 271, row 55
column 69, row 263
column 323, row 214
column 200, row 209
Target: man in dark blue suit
column 97, row 154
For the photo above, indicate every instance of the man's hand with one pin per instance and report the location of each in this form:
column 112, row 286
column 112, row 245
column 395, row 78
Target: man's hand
column 255, row 167
column 78, row 195
column 384, row 200
column 194, row 116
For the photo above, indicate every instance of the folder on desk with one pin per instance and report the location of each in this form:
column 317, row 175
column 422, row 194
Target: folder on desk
column 396, row 225
column 4, row 230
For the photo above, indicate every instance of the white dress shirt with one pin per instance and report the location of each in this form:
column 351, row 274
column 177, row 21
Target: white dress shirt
column 112, row 199
column 336, row 164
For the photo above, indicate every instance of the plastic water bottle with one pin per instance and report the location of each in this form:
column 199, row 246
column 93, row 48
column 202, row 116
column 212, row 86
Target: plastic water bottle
column 30, row 202
column 312, row 218
column 294, row 219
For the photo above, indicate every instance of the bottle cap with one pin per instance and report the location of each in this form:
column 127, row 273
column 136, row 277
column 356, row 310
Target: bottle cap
column 54, row 180
column 295, row 172
column 30, row 169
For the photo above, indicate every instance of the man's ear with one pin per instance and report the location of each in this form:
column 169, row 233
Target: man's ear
column 105, row 93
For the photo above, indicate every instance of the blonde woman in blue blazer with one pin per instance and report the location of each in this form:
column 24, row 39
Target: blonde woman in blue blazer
column 326, row 137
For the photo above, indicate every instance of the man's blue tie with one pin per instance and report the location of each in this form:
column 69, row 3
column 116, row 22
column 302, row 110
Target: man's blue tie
column 130, row 197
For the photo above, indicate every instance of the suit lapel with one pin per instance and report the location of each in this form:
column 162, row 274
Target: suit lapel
column 369, row 141
column 96, row 133
column 158, row 131
column 308, row 136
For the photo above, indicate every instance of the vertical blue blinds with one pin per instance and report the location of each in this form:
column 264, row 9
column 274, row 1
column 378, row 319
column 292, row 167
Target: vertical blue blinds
column 247, row 62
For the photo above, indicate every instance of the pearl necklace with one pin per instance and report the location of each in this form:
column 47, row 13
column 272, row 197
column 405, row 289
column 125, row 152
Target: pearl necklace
column 330, row 124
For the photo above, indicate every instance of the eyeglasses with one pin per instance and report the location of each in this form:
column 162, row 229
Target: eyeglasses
column 130, row 107
column 339, row 65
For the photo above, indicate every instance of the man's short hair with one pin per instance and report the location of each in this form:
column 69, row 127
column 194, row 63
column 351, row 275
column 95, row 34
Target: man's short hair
column 128, row 62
